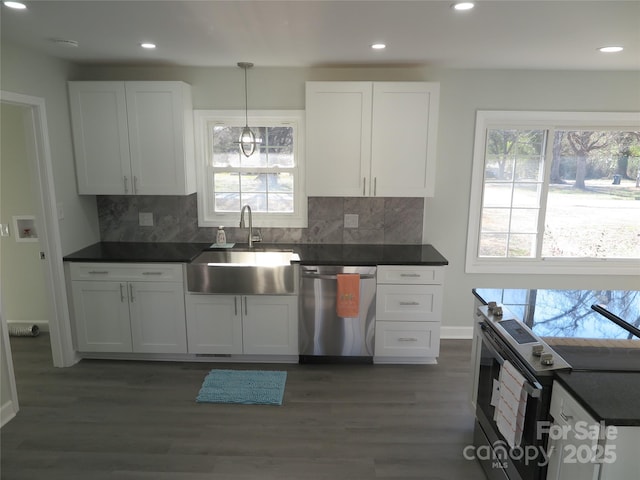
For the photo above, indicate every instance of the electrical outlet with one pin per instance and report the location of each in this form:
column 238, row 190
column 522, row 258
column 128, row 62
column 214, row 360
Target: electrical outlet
column 145, row 219
column 350, row 220
column 4, row 229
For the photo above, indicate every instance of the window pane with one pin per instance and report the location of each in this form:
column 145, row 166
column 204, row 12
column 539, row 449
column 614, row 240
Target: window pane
column 281, row 157
column 252, row 182
column 522, row 245
column 495, row 220
column 524, row 220
column 258, row 201
column 227, row 202
column 226, row 182
column 592, row 209
column 281, row 202
column 280, row 136
column 497, row 194
column 526, row 194
column 493, row 245
column 280, row 182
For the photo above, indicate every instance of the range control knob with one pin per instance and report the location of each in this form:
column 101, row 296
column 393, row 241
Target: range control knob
column 537, row 350
column 546, row 359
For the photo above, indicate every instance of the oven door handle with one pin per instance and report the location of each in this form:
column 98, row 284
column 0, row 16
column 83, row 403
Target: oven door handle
column 532, row 386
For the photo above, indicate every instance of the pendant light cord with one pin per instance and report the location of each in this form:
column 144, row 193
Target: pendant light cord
column 246, row 99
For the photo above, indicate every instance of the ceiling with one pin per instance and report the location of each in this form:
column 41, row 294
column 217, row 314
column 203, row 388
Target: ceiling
column 515, row 34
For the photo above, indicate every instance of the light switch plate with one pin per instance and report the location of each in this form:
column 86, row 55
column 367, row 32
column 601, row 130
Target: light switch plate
column 4, row 229
column 350, row 220
column 145, row 219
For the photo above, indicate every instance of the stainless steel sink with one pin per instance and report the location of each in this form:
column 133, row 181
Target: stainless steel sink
column 244, row 272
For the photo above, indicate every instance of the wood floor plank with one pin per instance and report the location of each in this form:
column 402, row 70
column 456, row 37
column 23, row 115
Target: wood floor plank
column 127, row 420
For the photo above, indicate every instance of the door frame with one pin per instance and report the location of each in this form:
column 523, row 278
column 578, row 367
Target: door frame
column 40, row 167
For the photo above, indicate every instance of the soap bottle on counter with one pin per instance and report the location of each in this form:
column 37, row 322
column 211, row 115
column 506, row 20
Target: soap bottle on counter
column 221, row 237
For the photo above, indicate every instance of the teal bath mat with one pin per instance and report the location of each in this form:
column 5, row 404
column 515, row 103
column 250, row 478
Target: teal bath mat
column 249, row 387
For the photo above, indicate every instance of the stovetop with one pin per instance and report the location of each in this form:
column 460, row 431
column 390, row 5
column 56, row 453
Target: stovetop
column 564, row 319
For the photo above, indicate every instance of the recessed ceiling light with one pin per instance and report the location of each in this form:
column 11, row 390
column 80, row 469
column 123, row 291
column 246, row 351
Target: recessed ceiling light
column 378, row 46
column 148, row 45
column 611, row 49
column 15, row 5
column 463, row 6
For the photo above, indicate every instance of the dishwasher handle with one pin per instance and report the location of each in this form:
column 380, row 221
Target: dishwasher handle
column 324, row 276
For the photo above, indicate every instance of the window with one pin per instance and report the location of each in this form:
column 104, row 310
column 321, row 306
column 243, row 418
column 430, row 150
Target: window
column 270, row 180
column 555, row 193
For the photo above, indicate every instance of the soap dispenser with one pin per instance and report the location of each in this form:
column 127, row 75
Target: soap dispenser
column 221, row 237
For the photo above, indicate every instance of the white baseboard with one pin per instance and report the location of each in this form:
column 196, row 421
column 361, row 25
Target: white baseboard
column 7, row 412
column 43, row 325
column 457, row 333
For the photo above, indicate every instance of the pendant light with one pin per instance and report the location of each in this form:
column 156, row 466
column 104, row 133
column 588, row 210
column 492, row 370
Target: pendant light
column 248, row 140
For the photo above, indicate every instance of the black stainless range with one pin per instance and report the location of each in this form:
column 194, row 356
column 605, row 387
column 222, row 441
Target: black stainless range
column 560, row 332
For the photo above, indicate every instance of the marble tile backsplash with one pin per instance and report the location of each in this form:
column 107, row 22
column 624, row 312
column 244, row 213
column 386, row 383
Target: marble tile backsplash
column 381, row 220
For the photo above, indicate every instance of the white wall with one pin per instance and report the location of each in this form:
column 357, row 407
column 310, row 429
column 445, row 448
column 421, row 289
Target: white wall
column 463, row 92
column 24, row 296
column 30, row 73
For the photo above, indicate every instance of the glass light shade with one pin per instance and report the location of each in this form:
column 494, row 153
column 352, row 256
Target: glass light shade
column 247, row 142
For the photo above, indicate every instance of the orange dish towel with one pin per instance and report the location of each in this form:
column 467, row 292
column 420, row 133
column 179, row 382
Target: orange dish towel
column 348, row 295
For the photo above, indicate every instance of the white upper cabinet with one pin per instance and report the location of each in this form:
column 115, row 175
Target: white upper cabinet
column 371, row 138
column 133, row 138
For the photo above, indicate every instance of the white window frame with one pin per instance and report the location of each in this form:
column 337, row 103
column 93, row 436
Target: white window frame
column 203, row 119
column 486, row 120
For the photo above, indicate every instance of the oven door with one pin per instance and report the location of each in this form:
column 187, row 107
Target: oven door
column 526, row 461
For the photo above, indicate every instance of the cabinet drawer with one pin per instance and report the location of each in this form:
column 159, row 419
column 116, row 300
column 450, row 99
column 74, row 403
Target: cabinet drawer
column 407, row 339
column 410, row 275
column 419, row 303
column 148, row 272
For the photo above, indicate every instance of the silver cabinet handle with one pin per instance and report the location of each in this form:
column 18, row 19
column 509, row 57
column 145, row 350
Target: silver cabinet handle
column 126, row 185
column 410, row 275
column 133, row 299
column 98, row 272
column 246, row 311
column 152, row 273
column 235, row 305
column 364, row 186
column 375, row 185
column 135, row 184
column 412, row 304
column 122, row 292
column 407, row 339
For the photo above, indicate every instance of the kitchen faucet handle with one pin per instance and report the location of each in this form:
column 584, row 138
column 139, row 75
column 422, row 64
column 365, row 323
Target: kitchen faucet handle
column 257, row 236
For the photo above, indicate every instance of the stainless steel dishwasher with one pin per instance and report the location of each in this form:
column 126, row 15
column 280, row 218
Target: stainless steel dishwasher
column 323, row 335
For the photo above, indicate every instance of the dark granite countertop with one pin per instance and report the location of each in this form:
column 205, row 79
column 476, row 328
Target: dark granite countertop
column 137, row 252
column 611, row 397
column 310, row 254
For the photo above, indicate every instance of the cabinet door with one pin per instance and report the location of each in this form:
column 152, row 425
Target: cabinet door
column 101, row 312
column 100, row 137
column 214, row 324
column 403, row 139
column 338, row 138
column 157, row 317
column 156, row 119
column 571, row 453
column 270, row 325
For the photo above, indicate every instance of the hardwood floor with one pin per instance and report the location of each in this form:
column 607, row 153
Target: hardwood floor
column 122, row 420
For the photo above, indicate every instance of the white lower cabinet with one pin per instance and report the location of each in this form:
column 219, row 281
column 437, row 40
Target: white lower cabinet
column 584, row 449
column 242, row 324
column 408, row 314
column 121, row 308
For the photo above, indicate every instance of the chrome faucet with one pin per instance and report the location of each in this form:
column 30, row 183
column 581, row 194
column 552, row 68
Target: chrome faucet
column 242, row 225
